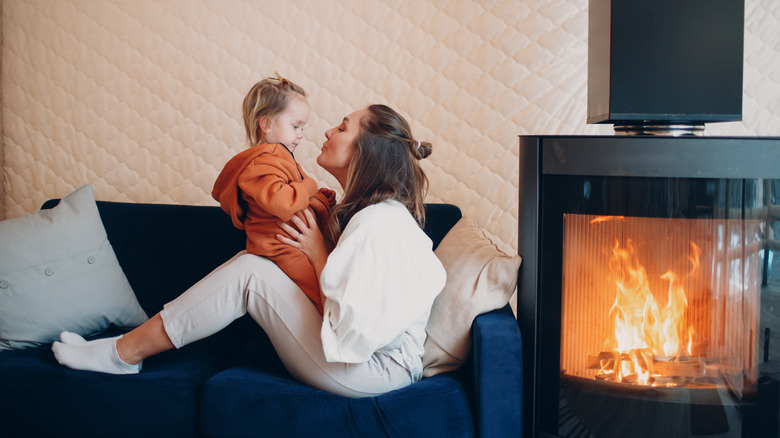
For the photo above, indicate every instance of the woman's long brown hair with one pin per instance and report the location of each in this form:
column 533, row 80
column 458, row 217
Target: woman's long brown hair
column 385, row 165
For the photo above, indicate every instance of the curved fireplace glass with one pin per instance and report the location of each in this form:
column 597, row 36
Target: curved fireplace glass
column 652, row 305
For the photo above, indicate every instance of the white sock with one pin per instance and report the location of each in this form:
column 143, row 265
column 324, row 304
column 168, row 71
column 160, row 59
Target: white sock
column 71, row 338
column 99, row 355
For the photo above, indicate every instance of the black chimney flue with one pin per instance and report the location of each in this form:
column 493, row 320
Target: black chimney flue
column 665, row 66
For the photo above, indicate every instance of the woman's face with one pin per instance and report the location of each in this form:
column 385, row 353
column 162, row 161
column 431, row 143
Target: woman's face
column 339, row 146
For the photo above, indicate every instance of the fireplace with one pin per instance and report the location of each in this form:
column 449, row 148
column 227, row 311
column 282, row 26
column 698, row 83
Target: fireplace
column 649, row 299
column 661, row 302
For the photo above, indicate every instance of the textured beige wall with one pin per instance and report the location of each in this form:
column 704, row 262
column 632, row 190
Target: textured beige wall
column 142, row 98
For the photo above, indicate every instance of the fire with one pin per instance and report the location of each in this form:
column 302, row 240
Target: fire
column 645, row 331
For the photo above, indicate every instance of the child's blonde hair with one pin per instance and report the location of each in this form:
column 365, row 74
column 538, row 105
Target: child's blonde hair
column 268, row 97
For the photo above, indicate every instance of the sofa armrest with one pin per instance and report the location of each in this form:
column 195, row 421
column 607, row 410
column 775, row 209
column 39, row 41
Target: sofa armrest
column 498, row 374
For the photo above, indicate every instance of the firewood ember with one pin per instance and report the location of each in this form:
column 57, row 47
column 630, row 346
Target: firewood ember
column 630, row 378
column 662, row 371
column 643, row 357
column 607, row 377
column 684, row 368
column 609, row 362
column 668, row 381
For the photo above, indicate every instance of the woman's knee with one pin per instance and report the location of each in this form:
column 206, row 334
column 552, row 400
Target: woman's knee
column 261, row 273
column 250, row 264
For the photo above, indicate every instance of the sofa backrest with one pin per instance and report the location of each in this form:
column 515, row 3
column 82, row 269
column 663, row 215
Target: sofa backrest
column 164, row 249
column 439, row 219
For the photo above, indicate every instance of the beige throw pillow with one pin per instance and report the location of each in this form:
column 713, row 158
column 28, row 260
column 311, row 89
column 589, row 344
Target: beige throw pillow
column 480, row 278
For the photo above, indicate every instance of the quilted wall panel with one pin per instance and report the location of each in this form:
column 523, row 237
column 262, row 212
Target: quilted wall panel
column 142, row 98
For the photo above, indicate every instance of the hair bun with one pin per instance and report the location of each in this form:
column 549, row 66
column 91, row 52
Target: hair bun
column 421, row 149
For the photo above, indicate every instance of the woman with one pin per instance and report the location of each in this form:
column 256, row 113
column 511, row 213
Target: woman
column 377, row 271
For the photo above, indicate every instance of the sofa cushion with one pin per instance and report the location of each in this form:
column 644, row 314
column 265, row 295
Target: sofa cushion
column 41, row 398
column 58, row 272
column 164, row 249
column 480, row 278
column 257, row 397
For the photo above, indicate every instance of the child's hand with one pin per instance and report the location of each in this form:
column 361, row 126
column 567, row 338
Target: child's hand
column 329, row 195
column 322, row 204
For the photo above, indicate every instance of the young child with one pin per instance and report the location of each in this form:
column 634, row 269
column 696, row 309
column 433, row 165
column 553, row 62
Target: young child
column 264, row 185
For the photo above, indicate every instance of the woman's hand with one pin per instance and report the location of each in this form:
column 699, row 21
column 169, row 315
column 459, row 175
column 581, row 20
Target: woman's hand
column 307, row 237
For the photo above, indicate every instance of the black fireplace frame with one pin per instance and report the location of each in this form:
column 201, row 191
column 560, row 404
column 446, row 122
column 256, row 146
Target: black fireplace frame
column 632, row 157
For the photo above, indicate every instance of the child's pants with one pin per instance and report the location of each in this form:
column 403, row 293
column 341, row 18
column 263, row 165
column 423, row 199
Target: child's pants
column 255, row 285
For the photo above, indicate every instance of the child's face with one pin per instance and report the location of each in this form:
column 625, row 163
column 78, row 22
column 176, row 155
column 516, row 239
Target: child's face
column 287, row 127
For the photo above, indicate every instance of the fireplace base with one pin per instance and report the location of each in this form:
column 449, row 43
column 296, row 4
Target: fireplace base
column 615, row 410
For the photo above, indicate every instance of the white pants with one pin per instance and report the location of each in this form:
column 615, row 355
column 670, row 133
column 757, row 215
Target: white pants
column 251, row 284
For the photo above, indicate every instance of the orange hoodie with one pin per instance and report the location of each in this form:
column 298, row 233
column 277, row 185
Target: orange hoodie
column 264, row 185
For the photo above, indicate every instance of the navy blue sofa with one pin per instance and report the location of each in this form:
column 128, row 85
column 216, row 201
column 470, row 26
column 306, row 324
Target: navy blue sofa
column 232, row 384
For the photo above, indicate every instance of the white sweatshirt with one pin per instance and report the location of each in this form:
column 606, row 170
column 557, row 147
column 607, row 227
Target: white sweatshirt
column 379, row 285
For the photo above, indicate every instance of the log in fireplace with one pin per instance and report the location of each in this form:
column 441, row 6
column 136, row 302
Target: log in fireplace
column 649, row 299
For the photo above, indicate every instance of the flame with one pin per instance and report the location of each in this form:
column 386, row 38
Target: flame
column 644, row 329
column 601, row 219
